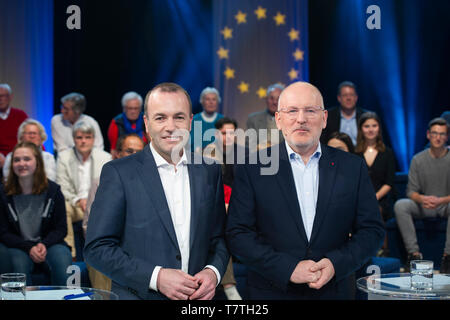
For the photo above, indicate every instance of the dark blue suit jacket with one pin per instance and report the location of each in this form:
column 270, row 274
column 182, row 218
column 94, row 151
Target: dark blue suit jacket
column 130, row 229
column 265, row 229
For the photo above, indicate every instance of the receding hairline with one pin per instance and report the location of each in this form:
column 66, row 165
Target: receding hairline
column 167, row 87
column 301, row 86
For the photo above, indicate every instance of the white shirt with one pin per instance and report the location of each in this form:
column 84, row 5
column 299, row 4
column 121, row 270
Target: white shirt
column 62, row 132
column 49, row 165
column 178, row 195
column 5, row 115
column 306, row 178
column 84, row 177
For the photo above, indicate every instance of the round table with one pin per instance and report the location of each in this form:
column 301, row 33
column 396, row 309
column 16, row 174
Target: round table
column 59, row 292
column 397, row 286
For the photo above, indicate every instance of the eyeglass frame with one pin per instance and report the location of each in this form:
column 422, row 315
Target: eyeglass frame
column 297, row 110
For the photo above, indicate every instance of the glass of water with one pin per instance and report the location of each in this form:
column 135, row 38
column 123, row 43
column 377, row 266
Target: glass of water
column 421, row 274
column 13, row 286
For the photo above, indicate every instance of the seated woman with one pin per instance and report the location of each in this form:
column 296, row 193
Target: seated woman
column 341, row 140
column 33, row 217
column 380, row 160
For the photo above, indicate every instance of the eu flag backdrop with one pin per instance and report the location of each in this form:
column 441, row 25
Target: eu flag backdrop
column 257, row 43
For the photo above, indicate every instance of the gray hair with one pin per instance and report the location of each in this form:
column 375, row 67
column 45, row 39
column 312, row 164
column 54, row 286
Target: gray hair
column 84, row 127
column 131, row 96
column 78, row 100
column 273, row 87
column 346, row 84
column 30, row 121
column 210, row 90
column 6, row 87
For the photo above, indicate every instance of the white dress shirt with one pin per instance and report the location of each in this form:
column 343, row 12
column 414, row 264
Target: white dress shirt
column 306, row 178
column 62, row 132
column 175, row 181
column 5, row 115
column 84, row 177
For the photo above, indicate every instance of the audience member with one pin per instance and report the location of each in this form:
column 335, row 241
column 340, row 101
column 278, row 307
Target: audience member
column 127, row 144
column 131, row 120
column 380, row 161
column 265, row 120
column 33, row 131
column 10, row 120
column 33, row 217
column 342, row 141
column 292, row 228
column 344, row 118
column 226, row 151
column 156, row 226
column 75, row 170
column 428, row 191
column 72, row 107
column 205, row 120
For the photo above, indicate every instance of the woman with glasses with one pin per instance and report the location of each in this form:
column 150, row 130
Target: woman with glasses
column 379, row 159
column 33, row 217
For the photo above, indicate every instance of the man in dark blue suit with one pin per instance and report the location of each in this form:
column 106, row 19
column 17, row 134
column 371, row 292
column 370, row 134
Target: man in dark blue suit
column 156, row 226
column 303, row 231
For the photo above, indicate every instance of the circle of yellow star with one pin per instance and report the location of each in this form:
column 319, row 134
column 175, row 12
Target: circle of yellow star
column 293, row 74
column 243, row 87
column 241, row 17
column 260, row 13
column 280, row 19
column 227, row 33
column 294, row 34
column 222, row 53
column 298, row 54
column 262, row 92
column 229, row 73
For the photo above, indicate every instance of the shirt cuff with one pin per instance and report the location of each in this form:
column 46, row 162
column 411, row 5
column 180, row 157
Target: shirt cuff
column 215, row 271
column 154, row 278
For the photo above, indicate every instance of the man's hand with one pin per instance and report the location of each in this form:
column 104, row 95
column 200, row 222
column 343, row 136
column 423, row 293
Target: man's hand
column 208, row 280
column 176, row 284
column 38, row 253
column 430, row 202
column 303, row 273
column 327, row 273
column 83, row 204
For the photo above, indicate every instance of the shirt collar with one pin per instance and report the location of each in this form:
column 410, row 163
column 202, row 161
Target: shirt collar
column 353, row 116
column 292, row 154
column 5, row 115
column 80, row 157
column 161, row 162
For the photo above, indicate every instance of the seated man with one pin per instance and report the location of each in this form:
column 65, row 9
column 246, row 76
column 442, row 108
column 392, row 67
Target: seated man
column 131, row 120
column 72, row 107
column 33, row 131
column 126, row 145
column 428, row 191
column 76, row 168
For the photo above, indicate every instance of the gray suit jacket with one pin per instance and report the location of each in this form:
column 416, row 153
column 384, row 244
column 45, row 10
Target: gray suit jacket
column 130, row 229
column 258, row 120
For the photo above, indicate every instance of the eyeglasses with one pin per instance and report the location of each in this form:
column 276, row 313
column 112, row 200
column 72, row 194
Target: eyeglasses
column 308, row 112
column 434, row 134
column 30, row 133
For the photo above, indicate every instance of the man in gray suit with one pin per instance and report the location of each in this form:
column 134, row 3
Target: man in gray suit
column 265, row 120
column 156, row 226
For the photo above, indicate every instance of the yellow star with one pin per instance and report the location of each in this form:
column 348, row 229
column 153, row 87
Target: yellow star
column 229, row 73
column 227, row 33
column 241, row 17
column 279, row 19
column 260, row 13
column 298, row 54
column 262, row 92
column 222, row 53
column 293, row 74
column 243, row 87
column 294, row 34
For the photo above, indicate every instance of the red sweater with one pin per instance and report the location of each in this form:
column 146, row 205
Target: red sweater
column 9, row 128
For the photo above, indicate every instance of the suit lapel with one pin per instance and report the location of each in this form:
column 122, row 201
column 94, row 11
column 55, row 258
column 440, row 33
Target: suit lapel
column 287, row 185
column 195, row 181
column 148, row 172
column 327, row 175
column 74, row 170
